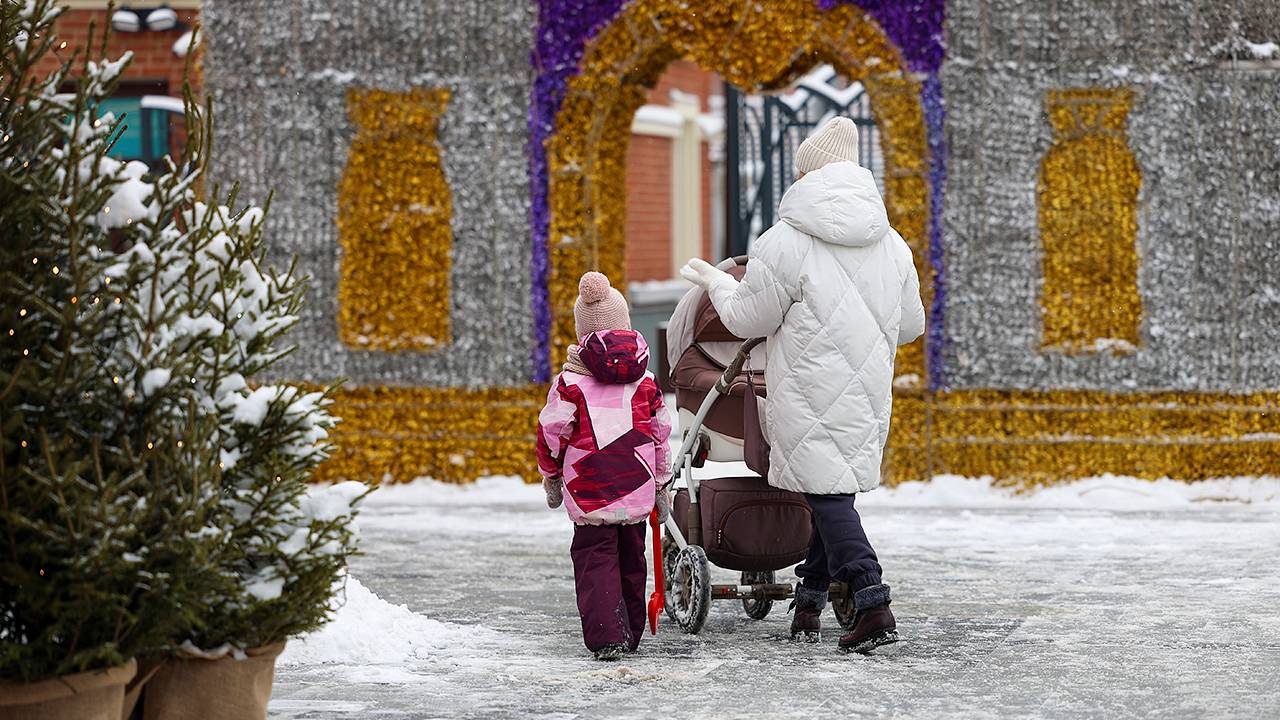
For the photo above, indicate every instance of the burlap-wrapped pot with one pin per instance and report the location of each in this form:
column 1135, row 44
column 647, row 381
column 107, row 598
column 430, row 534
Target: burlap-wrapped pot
column 223, row 688
column 96, row 695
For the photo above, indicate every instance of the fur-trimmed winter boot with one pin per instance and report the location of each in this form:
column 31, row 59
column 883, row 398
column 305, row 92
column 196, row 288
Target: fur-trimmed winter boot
column 610, row 652
column 874, row 624
column 806, row 624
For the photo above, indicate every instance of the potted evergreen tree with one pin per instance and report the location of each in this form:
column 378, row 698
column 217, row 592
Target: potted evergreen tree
column 109, row 495
column 288, row 542
column 142, row 468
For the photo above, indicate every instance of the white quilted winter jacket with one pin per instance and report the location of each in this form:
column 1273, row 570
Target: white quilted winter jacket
column 834, row 290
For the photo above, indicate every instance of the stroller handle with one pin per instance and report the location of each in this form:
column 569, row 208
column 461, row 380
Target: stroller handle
column 735, row 367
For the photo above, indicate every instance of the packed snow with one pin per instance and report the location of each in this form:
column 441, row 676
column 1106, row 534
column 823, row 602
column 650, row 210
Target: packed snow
column 1108, row 597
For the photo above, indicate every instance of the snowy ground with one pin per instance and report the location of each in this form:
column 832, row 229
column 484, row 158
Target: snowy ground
column 1108, row 598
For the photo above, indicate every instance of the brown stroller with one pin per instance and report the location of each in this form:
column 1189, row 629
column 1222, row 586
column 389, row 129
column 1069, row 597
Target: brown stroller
column 736, row 522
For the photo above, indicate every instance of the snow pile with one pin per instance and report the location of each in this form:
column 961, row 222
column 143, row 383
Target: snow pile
column 327, row 503
column 1108, row 492
column 424, row 491
column 367, row 630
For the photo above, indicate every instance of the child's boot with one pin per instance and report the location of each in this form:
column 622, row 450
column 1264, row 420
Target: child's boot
column 874, row 625
column 611, row 652
column 806, row 624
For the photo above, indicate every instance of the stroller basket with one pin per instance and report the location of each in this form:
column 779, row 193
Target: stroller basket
column 748, row 525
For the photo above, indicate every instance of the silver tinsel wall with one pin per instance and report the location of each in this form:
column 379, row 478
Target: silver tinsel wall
column 1206, row 135
column 1109, row 238
column 279, row 74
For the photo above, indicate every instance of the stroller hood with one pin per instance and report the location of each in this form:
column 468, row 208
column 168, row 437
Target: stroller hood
column 616, row 357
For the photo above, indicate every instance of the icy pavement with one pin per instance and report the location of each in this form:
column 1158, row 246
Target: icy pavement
column 1109, row 598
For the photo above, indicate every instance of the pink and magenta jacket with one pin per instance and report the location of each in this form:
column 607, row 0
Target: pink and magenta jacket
column 606, row 432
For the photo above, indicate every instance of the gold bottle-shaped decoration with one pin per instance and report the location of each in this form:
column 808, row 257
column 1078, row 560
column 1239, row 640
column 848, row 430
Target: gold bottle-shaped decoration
column 1088, row 192
column 394, row 213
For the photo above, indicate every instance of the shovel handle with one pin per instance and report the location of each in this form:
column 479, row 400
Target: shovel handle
column 659, row 592
column 657, row 552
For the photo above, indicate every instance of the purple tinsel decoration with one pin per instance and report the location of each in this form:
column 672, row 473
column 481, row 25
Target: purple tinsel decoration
column 565, row 26
column 915, row 26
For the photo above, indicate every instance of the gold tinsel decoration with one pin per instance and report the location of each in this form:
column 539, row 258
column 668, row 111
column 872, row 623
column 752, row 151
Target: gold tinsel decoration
column 1024, row 437
column 448, row 434
column 1034, row 437
column 394, row 212
column 1089, row 181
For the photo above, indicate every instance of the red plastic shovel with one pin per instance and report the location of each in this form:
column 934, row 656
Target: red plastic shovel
column 656, row 599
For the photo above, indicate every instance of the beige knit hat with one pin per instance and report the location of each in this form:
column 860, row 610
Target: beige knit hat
column 837, row 141
column 599, row 306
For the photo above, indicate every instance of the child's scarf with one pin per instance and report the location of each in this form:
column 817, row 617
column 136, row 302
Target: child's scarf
column 573, row 361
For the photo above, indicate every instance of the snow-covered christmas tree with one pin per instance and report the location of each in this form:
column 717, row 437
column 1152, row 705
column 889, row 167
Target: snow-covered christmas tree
column 151, row 497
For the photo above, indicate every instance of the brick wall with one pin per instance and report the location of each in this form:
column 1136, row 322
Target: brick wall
column 648, row 228
column 648, row 224
column 153, row 62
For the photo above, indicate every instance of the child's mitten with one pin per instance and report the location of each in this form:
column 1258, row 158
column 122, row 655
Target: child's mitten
column 554, row 487
column 662, row 502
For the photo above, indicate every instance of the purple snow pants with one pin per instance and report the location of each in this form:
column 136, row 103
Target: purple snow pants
column 610, row 571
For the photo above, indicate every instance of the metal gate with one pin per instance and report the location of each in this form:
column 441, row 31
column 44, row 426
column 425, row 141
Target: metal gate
column 763, row 132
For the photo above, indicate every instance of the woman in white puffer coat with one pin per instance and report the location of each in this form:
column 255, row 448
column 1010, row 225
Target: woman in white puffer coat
column 834, row 290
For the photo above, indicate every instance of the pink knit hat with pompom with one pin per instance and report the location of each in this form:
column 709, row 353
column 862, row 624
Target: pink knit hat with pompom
column 599, row 306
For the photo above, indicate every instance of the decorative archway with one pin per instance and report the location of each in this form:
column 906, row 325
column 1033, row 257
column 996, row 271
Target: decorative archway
column 752, row 47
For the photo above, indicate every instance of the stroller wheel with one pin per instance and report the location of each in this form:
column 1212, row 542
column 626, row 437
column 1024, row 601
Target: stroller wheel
column 843, row 607
column 757, row 608
column 669, row 553
column 689, row 589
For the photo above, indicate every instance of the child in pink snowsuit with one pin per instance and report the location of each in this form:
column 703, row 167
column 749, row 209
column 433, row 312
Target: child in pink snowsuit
column 602, row 451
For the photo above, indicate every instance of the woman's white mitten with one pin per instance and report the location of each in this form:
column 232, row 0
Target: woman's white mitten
column 701, row 273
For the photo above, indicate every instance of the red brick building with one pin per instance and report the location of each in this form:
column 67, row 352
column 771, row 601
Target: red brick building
column 150, row 90
column 674, row 173
column 681, row 118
